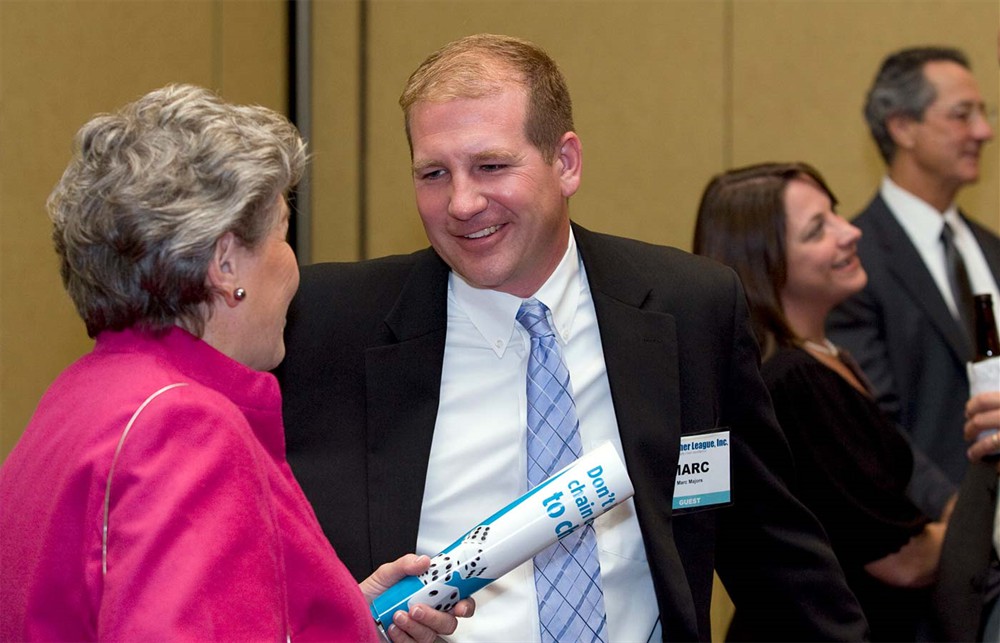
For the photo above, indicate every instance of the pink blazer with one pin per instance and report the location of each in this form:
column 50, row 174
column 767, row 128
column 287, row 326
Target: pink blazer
column 201, row 533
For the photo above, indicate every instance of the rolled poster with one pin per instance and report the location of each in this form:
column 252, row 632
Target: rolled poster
column 569, row 499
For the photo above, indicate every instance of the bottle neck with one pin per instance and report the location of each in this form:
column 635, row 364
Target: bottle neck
column 987, row 338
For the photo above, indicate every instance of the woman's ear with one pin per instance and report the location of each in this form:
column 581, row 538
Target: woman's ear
column 223, row 269
column 569, row 162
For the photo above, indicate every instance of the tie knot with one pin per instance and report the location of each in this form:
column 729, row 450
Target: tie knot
column 532, row 316
column 947, row 234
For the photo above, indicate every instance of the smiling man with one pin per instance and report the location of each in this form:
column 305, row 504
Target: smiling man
column 908, row 328
column 410, row 384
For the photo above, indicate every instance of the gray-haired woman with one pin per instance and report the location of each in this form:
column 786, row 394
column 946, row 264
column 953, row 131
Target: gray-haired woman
column 149, row 497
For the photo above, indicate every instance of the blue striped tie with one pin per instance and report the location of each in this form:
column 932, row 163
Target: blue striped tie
column 567, row 574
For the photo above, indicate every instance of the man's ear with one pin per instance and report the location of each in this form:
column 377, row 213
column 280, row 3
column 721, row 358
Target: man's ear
column 902, row 129
column 223, row 269
column 569, row 163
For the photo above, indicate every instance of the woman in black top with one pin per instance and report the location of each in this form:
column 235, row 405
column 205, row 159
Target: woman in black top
column 776, row 226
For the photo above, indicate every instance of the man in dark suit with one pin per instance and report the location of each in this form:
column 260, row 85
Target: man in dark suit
column 404, row 380
column 907, row 327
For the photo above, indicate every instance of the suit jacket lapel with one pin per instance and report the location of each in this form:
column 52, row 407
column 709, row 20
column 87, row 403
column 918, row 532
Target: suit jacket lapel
column 403, row 372
column 641, row 356
column 904, row 262
column 640, row 350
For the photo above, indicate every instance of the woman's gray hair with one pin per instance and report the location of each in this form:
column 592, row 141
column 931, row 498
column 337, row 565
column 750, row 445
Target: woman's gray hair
column 149, row 191
column 901, row 89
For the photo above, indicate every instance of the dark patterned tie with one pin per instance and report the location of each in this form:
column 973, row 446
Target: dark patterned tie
column 958, row 278
column 567, row 574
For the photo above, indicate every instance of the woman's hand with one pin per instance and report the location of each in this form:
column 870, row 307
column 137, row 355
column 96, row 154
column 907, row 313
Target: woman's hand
column 916, row 562
column 422, row 624
column 982, row 413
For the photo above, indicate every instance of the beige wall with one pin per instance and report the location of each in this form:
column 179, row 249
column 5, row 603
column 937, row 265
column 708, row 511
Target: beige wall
column 60, row 63
column 801, row 68
column 336, row 169
column 666, row 93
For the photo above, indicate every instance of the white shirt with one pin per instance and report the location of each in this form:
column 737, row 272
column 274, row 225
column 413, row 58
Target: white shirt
column 478, row 461
column 923, row 225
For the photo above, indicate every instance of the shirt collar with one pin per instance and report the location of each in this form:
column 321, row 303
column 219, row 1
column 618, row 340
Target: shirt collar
column 494, row 313
column 922, row 222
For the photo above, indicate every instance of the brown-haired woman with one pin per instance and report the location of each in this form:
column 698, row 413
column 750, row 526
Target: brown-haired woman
column 776, row 226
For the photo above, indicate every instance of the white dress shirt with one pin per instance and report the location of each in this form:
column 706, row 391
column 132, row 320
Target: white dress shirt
column 478, row 458
column 923, row 225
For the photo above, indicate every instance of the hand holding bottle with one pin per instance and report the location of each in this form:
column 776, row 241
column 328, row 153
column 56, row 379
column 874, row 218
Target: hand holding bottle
column 982, row 413
column 983, row 409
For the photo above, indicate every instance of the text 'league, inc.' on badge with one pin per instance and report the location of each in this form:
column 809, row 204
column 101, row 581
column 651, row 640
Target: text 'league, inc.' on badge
column 703, row 472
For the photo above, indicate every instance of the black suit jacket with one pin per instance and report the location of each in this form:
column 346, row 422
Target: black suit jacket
column 901, row 332
column 968, row 578
column 361, row 383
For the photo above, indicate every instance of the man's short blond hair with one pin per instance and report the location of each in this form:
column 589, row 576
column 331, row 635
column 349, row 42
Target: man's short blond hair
column 484, row 65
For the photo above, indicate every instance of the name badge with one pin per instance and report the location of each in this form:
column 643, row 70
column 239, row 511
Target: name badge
column 702, row 472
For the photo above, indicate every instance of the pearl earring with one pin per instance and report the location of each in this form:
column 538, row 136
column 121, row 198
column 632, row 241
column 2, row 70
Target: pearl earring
column 239, row 294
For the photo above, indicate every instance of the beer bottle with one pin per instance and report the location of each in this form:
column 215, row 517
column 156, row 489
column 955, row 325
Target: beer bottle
column 987, row 346
column 987, row 340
